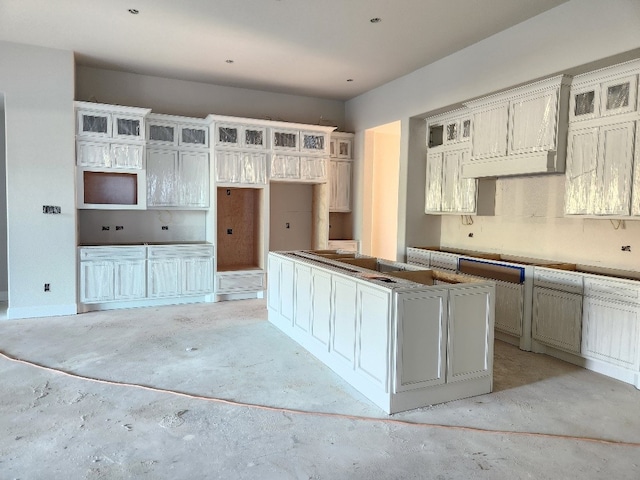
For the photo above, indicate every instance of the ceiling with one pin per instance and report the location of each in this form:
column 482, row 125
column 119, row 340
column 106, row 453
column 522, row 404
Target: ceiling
column 302, row 47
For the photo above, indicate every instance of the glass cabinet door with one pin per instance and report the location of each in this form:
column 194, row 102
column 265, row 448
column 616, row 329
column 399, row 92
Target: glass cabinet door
column 228, row 135
column 466, row 129
column 194, row 136
column 255, row 137
column 127, row 127
column 619, row 96
column 285, row 140
column 162, row 133
column 313, row 142
column 451, row 132
column 94, row 124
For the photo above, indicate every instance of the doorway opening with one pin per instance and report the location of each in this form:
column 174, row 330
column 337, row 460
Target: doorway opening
column 380, row 191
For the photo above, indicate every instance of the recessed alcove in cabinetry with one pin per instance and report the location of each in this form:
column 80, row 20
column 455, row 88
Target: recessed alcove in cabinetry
column 240, row 228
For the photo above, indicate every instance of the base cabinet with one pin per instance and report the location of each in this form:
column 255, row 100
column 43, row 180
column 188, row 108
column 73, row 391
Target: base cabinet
column 121, row 274
column 557, row 319
column 612, row 332
column 403, row 346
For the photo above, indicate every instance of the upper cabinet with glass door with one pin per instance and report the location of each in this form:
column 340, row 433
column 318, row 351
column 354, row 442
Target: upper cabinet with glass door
column 605, row 92
column 240, row 136
column 98, row 121
column 451, row 128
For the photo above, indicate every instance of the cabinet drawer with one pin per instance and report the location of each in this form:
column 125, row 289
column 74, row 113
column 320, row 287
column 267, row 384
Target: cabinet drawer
column 115, row 253
column 625, row 291
column 444, row 260
column 418, row 256
column 166, row 251
column 238, row 282
column 557, row 280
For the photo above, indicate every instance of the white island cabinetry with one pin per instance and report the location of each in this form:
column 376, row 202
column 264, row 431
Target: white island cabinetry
column 402, row 343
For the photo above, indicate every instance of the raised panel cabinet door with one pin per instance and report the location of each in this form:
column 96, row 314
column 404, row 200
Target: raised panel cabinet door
column 490, row 131
column 466, row 188
column 303, row 298
column 635, row 200
column 458, row 193
column 197, row 275
column 130, row 279
column 611, row 332
column 96, row 281
column 285, row 167
column 313, row 169
column 581, row 175
column 470, row 333
column 343, row 319
column 273, row 287
column 343, row 194
column 557, row 319
column 93, row 154
column 253, row 168
column 433, row 184
column 193, row 180
column 287, row 290
column 162, row 177
column 333, row 185
column 127, row 156
column 228, row 167
column 508, row 310
column 421, row 340
column 615, row 162
column 373, row 347
column 163, row 278
column 321, row 308
column 532, row 127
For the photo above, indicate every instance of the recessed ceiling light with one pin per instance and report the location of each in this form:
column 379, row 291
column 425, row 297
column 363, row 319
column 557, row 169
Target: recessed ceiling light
column 134, row 11
column 229, row 61
column 375, row 20
column 349, row 79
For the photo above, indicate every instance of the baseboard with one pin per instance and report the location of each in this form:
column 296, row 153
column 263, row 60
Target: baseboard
column 43, row 311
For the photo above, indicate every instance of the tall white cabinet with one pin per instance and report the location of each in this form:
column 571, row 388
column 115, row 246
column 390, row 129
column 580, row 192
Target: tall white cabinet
column 603, row 169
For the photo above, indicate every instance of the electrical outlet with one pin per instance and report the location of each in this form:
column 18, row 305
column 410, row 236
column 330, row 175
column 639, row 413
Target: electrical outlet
column 165, row 227
column 228, row 191
column 471, row 235
column 105, row 228
column 119, row 227
column 287, row 225
column 47, row 287
column 229, row 231
column 51, row 209
column 626, row 248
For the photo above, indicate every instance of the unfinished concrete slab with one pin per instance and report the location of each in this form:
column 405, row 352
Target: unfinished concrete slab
column 543, row 420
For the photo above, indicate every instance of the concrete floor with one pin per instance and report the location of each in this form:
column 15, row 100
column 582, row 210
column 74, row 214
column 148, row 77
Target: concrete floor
column 58, row 427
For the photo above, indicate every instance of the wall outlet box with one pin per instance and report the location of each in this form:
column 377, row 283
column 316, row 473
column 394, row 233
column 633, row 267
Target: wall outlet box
column 52, row 209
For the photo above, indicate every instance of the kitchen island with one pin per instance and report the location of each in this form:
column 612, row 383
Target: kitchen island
column 404, row 336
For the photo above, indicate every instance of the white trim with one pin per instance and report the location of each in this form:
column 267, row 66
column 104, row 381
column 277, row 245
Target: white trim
column 43, row 311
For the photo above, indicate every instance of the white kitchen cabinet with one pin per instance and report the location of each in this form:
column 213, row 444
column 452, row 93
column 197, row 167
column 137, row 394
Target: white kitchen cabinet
column 346, row 245
column 283, row 139
column 509, row 308
column 557, row 319
column 177, row 179
column 422, row 345
column 341, row 147
column 611, row 332
column 599, row 170
column 293, row 168
column 179, row 270
column 196, row 136
column 520, row 131
column 109, row 155
column 446, row 190
column 239, row 281
column 340, row 186
column 490, row 125
column 112, row 273
column 241, row 168
column 401, row 344
column 314, row 142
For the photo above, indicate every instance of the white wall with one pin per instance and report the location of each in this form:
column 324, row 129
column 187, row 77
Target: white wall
column 180, row 97
column 38, row 86
column 4, row 283
column 576, row 36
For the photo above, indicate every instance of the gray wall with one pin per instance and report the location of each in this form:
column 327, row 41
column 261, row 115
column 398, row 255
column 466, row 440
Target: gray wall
column 179, row 97
column 577, row 36
column 4, row 284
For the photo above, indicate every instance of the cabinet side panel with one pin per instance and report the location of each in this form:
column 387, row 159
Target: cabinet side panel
column 420, row 341
column 373, row 335
column 470, row 349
